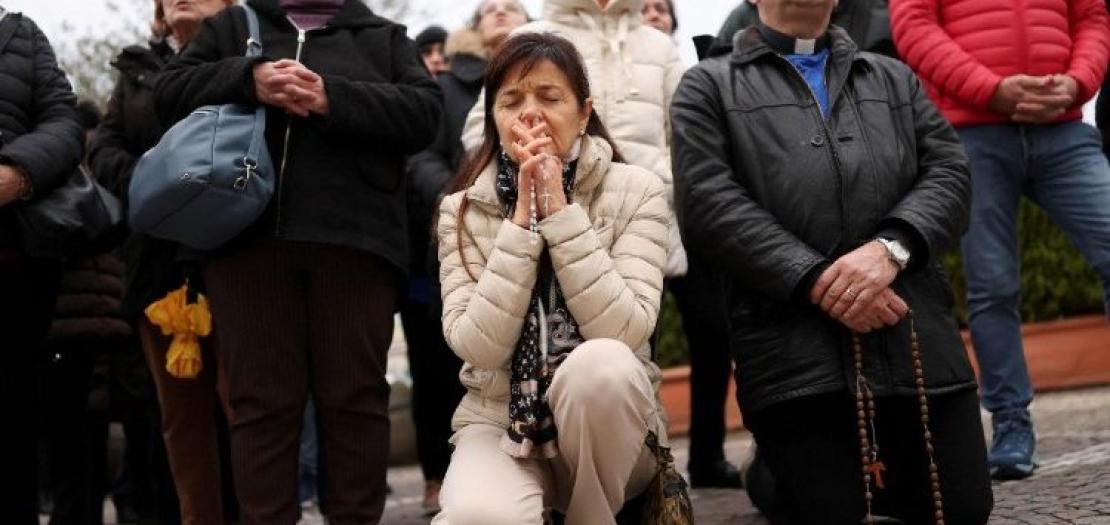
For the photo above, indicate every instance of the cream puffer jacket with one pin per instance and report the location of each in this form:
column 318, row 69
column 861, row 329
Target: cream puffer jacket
column 634, row 70
column 607, row 248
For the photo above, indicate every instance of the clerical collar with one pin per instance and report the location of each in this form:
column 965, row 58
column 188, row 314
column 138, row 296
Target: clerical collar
column 788, row 45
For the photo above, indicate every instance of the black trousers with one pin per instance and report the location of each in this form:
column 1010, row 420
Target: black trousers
column 700, row 295
column 76, row 436
column 811, row 446
column 27, row 292
column 436, row 391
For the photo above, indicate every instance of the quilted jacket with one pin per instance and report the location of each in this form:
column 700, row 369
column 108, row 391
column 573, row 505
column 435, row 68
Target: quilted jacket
column 962, row 49
column 39, row 130
column 607, row 248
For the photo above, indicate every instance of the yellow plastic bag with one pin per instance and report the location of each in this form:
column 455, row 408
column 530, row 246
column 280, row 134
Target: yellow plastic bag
column 187, row 323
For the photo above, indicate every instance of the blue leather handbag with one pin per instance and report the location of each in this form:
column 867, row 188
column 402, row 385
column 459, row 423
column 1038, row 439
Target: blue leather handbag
column 209, row 177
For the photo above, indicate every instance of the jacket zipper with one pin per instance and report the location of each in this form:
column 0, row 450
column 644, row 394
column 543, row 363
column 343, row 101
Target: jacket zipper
column 302, row 36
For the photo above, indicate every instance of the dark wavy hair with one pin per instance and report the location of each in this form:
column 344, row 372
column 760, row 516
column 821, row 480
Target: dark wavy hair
column 528, row 50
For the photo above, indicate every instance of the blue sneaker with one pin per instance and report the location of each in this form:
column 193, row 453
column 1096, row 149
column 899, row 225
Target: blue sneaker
column 1013, row 452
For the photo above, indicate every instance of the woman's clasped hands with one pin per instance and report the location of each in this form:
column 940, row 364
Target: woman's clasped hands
column 290, row 85
column 540, row 183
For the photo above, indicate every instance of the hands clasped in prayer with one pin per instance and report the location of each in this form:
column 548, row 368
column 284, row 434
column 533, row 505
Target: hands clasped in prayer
column 856, row 290
column 1035, row 100
column 290, row 85
column 540, row 183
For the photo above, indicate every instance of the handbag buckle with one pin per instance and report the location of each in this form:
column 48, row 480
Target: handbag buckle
column 249, row 166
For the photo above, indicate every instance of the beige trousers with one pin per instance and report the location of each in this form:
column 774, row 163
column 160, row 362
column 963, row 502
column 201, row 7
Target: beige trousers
column 603, row 405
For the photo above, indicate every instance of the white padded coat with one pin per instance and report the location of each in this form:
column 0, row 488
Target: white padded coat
column 607, row 248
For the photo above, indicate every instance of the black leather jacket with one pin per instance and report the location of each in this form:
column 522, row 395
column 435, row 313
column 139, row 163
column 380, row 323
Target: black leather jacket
column 772, row 193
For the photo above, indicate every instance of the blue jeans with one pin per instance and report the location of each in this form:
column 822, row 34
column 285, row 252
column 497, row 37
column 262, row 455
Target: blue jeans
column 1061, row 168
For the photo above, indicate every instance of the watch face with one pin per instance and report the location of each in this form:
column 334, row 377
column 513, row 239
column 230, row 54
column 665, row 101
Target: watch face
column 900, row 252
column 897, row 252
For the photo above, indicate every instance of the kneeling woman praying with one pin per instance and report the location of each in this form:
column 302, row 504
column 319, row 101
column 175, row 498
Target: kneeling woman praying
column 552, row 252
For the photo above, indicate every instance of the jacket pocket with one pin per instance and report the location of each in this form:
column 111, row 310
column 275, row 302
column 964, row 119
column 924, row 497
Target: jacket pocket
column 486, row 384
column 474, row 378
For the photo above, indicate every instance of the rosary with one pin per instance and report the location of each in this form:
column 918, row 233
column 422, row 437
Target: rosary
column 533, row 222
column 873, row 467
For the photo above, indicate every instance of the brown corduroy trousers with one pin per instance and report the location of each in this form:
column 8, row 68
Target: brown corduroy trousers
column 293, row 317
column 189, row 426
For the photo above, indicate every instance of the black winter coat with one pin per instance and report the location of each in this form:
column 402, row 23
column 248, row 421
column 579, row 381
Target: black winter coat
column 772, row 193
column 343, row 181
column 431, row 170
column 87, row 312
column 39, row 130
column 129, row 128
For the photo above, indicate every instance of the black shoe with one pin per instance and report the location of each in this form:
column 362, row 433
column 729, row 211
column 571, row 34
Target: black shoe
column 126, row 514
column 717, row 475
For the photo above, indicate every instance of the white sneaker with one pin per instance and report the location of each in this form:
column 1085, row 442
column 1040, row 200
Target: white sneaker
column 310, row 514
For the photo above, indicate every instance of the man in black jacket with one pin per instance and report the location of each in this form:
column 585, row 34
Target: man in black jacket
column 826, row 185
column 304, row 299
column 40, row 146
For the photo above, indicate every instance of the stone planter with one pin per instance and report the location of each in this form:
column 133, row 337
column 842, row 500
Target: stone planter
column 1067, row 353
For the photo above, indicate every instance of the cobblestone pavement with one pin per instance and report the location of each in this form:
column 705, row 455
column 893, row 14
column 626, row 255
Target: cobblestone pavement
column 1071, row 487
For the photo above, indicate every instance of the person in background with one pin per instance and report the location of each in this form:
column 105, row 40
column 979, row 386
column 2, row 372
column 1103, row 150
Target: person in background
column 86, row 325
column 660, row 14
column 303, row 300
column 188, row 407
column 436, row 390
column 1014, row 92
column 552, row 252
column 866, row 21
column 41, row 144
column 701, row 302
column 430, row 43
column 831, row 212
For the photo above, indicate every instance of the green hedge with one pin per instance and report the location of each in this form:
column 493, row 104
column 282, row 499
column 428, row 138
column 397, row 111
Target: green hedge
column 1055, row 280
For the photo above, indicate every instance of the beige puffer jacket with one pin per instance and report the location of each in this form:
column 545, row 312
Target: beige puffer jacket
column 607, row 248
column 634, row 70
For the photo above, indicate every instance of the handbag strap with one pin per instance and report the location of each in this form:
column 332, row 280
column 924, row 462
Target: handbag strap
column 254, row 40
column 254, row 49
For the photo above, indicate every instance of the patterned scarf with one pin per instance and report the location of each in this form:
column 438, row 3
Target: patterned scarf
column 549, row 334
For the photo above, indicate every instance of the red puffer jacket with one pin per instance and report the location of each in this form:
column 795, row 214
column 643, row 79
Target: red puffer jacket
column 962, row 49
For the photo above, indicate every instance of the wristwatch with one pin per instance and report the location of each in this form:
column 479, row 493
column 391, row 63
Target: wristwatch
column 899, row 255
